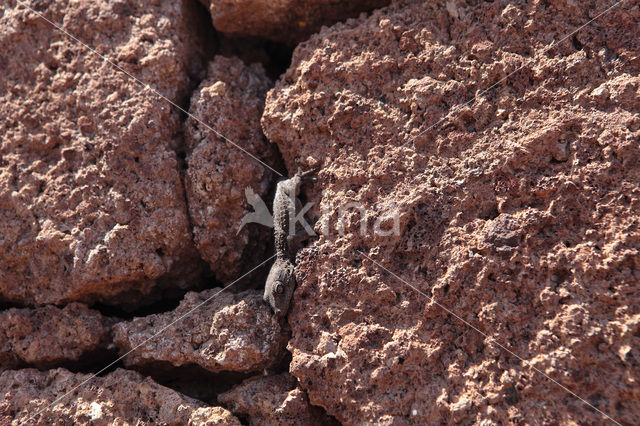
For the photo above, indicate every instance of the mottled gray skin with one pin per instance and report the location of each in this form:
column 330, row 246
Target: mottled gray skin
column 280, row 285
column 281, row 280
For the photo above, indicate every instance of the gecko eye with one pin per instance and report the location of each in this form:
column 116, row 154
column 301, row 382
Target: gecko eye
column 279, row 288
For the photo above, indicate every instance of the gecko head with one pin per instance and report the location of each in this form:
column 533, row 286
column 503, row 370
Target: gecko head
column 279, row 287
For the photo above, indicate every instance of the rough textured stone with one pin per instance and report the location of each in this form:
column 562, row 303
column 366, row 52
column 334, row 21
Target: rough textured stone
column 273, row 400
column 50, row 336
column 519, row 212
column 289, row 21
column 91, row 203
column 230, row 100
column 121, row 397
column 231, row 332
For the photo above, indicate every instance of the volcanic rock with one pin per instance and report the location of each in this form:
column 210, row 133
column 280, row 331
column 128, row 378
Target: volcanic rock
column 478, row 205
column 220, row 175
column 219, row 331
column 288, row 21
column 122, row 397
column 271, row 400
column 50, row 336
column 91, row 202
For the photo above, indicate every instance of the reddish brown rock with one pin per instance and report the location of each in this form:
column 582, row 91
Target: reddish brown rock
column 51, row 336
column 32, row 397
column 519, row 212
column 231, row 101
column 273, row 400
column 289, row 21
column 229, row 332
column 91, row 203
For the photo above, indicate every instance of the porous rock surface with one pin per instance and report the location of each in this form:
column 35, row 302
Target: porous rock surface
column 50, row 336
column 122, row 397
column 230, row 101
column 288, row 21
column 519, row 212
column 91, row 203
column 215, row 329
column 273, row 400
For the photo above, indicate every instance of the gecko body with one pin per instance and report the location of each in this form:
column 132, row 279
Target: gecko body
column 281, row 280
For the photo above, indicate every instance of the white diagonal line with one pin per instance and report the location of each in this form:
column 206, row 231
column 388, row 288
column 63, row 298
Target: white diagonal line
column 148, row 87
column 490, row 339
column 150, row 338
column 545, row 50
column 278, row 173
column 160, row 95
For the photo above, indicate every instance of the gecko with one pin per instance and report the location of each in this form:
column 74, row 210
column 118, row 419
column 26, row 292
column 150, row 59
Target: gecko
column 281, row 280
